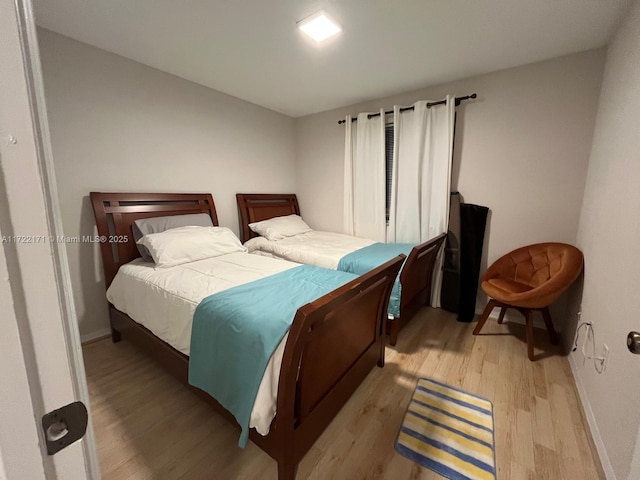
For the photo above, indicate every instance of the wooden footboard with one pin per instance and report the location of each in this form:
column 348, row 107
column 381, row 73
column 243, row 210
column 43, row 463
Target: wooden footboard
column 333, row 344
column 415, row 278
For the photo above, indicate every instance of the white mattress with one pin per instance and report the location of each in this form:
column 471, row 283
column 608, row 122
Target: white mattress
column 322, row 249
column 164, row 300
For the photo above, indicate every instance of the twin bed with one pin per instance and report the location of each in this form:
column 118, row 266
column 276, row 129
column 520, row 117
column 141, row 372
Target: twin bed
column 334, row 250
column 303, row 388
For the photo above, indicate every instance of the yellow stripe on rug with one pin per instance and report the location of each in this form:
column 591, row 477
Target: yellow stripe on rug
column 466, row 414
column 456, row 394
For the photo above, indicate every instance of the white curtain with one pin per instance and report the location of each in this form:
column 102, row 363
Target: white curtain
column 364, row 177
column 421, row 178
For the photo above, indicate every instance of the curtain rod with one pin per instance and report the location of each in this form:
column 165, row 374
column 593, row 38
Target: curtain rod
column 459, row 100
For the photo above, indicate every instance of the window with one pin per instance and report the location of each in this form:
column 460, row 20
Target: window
column 388, row 146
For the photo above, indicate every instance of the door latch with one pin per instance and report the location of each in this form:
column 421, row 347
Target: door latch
column 64, row 426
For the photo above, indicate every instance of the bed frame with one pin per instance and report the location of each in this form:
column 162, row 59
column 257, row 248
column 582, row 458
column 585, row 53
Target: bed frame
column 313, row 385
column 415, row 276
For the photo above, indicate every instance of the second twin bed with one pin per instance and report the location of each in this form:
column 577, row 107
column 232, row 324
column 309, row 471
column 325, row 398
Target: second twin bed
column 271, row 226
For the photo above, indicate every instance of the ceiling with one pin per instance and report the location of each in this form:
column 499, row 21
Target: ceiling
column 251, row 49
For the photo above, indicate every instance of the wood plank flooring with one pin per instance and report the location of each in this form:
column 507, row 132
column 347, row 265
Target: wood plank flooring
column 148, row 426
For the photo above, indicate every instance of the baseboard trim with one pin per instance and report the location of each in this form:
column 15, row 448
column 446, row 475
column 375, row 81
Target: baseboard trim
column 591, row 420
column 95, row 336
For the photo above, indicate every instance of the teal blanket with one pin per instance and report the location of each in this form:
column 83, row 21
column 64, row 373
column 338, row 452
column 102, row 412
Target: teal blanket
column 236, row 331
column 366, row 259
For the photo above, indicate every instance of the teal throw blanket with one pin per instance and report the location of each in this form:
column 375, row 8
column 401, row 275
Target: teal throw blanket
column 366, row 259
column 236, row 331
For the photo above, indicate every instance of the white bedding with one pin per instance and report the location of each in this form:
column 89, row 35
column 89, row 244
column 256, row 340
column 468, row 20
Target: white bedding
column 322, row 249
column 164, row 300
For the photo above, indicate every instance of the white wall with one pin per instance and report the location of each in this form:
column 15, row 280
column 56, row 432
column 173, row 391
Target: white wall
column 117, row 125
column 521, row 149
column 608, row 230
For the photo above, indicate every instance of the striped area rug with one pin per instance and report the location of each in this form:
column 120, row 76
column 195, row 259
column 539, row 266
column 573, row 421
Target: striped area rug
column 449, row 431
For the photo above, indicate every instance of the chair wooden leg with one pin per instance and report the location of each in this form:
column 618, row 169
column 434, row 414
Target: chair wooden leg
column 483, row 318
column 553, row 337
column 503, row 310
column 529, row 316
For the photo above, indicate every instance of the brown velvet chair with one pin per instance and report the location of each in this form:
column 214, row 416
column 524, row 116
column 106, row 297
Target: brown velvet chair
column 530, row 279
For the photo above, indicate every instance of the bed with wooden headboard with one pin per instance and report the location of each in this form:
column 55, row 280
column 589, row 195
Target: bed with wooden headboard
column 313, row 386
column 416, row 274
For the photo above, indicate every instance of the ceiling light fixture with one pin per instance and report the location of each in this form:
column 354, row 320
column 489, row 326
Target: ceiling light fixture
column 319, row 26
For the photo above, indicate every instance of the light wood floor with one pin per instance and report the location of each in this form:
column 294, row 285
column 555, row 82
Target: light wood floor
column 149, row 426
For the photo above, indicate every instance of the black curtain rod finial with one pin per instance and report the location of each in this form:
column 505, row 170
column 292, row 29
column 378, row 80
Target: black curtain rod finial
column 459, row 100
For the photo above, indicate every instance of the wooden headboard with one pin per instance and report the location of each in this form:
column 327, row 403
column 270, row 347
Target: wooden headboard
column 116, row 212
column 255, row 207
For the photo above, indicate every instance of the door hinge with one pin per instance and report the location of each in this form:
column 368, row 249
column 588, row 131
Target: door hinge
column 64, row 426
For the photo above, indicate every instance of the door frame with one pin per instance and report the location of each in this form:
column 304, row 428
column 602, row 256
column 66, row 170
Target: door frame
column 38, row 281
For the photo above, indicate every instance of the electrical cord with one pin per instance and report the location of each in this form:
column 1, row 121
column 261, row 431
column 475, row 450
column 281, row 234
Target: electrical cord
column 577, row 335
column 598, row 362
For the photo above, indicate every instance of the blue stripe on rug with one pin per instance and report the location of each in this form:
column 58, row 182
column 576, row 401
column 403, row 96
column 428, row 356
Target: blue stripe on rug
column 477, row 425
column 446, row 448
column 431, row 380
column 427, row 442
column 451, row 429
column 454, row 400
column 431, row 464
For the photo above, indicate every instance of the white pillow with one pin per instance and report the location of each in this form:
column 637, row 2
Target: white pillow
column 278, row 228
column 188, row 244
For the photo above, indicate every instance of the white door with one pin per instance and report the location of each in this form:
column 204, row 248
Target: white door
column 41, row 366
